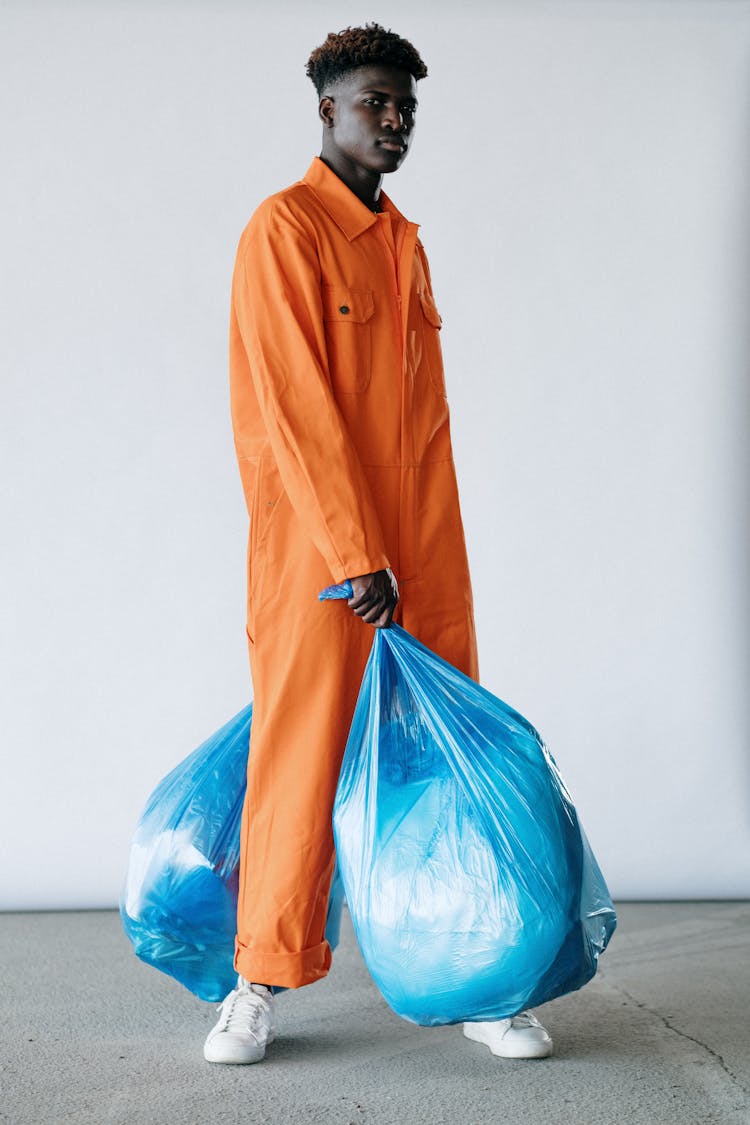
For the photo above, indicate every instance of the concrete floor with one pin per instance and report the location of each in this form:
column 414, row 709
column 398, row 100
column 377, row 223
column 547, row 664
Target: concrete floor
column 93, row 1037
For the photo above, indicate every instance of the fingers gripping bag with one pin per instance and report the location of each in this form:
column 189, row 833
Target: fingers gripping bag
column 179, row 903
column 471, row 885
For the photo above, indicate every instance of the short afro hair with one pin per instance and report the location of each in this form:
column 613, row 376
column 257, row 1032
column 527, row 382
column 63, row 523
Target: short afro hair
column 361, row 46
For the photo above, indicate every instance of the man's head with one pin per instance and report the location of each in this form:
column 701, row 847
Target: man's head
column 366, row 78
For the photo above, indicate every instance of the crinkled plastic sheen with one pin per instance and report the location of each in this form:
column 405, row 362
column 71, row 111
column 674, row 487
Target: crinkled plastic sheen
column 179, row 904
column 472, row 887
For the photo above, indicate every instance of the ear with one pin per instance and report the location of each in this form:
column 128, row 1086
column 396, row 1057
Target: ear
column 326, row 111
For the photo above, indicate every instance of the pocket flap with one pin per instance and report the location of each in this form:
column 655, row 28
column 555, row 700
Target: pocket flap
column 347, row 306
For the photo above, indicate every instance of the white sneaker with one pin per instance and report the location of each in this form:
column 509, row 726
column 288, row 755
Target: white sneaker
column 246, row 1025
column 520, row 1037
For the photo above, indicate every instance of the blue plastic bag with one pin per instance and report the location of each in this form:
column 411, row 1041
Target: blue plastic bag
column 179, row 904
column 472, row 888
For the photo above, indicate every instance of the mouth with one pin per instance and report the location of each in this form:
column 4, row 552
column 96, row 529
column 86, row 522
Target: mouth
column 392, row 144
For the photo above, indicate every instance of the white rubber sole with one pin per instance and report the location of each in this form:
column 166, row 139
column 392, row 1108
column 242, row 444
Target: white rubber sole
column 234, row 1054
column 508, row 1048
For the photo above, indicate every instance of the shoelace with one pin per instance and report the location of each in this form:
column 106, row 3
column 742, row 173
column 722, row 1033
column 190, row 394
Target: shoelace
column 244, row 1011
column 524, row 1019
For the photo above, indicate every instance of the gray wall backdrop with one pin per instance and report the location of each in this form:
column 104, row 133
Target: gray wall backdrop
column 580, row 174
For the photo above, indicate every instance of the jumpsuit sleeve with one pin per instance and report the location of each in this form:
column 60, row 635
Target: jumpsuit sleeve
column 276, row 293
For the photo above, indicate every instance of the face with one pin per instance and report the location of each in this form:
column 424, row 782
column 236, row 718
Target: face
column 369, row 118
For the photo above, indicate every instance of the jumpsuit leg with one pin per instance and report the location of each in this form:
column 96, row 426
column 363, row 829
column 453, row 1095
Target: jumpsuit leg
column 307, row 660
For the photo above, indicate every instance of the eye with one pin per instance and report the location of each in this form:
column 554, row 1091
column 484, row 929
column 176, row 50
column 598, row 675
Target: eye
column 373, row 101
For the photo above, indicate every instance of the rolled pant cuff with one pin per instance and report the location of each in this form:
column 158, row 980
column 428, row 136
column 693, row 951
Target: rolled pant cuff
column 286, row 970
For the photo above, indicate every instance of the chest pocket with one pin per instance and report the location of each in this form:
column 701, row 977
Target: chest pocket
column 431, row 323
column 347, row 314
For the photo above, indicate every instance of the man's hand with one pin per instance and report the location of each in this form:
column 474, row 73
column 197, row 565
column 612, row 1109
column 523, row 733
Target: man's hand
column 374, row 598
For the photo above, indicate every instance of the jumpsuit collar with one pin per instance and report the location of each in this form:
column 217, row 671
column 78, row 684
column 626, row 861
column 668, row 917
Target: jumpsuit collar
column 347, row 211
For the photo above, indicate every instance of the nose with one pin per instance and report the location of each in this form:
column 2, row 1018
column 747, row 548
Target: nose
column 394, row 118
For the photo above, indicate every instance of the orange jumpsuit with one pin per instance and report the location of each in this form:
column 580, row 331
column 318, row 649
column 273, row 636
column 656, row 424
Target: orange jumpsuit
column 341, row 429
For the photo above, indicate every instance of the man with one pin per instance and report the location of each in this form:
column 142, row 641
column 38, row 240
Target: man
column 342, row 434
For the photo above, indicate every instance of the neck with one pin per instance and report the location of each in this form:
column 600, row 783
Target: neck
column 365, row 184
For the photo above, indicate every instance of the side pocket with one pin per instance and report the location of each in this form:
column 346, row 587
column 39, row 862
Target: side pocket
column 268, row 492
column 269, row 497
column 249, row 476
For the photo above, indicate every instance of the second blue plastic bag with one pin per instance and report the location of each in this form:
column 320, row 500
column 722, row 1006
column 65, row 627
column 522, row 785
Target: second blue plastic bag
column 179, row 904
column 472, row 888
